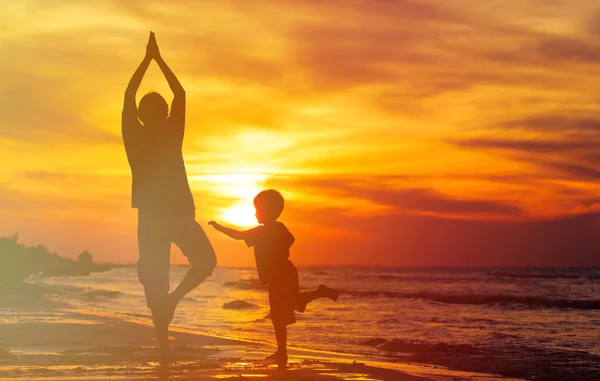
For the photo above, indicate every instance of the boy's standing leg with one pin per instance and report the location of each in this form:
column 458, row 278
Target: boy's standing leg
column 282, row 297
column 281, row 336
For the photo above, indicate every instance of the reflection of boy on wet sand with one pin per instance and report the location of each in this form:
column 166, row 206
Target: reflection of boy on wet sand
column 272, row 241
column 161, row 193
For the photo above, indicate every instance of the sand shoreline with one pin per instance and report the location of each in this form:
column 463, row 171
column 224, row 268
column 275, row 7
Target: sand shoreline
column 58, row 343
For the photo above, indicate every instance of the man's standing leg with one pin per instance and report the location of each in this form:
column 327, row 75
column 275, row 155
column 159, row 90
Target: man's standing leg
column 153, row 272
column 194, row 244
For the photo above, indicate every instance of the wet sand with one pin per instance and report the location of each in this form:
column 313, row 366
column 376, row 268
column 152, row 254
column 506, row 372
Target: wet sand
column 43, row 340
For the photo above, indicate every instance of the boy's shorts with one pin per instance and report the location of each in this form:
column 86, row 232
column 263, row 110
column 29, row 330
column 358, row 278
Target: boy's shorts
column 283, row 297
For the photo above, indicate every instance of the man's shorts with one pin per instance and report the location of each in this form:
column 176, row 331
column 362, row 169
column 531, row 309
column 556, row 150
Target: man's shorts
column 155, row 234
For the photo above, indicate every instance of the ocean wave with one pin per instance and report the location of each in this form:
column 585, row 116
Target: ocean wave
column 543, row 275
column 424, row 278
column 418, row 346
column 246, row 284
column 528, row 301
column 95, row 294
column 516, row 361
column 389, row 321
column 238, row 305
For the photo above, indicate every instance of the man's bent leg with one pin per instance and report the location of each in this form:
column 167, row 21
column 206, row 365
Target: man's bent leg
column 194, row 244
column 153, row 271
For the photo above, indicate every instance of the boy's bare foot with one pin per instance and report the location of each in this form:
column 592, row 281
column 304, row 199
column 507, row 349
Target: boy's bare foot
column 328, row 292
column 281, row 359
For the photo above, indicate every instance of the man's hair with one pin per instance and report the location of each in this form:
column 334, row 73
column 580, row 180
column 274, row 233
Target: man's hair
column 153, row 107
column 270, row 202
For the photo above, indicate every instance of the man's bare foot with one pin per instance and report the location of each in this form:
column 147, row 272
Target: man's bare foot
column 328, row 292
column 164, row 310
column 165, row 357
column 273, row 356
column 169, row 306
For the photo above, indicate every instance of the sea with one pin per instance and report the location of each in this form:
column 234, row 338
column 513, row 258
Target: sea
column 530, row 323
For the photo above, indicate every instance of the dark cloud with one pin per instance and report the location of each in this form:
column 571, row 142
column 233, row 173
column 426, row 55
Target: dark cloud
column 572, row 170
column 411, row 240
column 384, row 10
column 379, row 190
column 562, row 158
column 551, row 123
column 593, row 25
column 528, row 146
column 427, row 200
column 568, row 49
column 593, row 157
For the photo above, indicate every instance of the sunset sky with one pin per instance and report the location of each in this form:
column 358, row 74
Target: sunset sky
column 416, row 133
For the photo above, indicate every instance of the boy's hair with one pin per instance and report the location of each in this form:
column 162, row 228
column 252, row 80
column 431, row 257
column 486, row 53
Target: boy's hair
column 153, row 107
column 270, row 202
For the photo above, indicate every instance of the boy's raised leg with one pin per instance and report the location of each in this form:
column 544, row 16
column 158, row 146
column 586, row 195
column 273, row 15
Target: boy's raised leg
column 321, row 292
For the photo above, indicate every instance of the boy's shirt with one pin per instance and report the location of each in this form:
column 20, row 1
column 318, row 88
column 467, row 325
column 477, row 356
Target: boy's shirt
column 271, row 250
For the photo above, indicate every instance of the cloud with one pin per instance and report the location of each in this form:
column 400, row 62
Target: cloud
column 428, row 200
column 573, row 171
column 569, row 49
column 593, row 24
column 379, row 190
column 555, row 123
column 364, row 89
column 45, row 176
column 562, row 158
column 528, row 146
column 413, row 240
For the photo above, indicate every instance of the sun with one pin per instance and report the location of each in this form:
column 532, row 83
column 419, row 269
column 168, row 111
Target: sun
column 240, row 215
column 241, row 188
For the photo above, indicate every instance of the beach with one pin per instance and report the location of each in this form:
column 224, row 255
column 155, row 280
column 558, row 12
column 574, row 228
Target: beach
column 59, row 345
column 388, row 324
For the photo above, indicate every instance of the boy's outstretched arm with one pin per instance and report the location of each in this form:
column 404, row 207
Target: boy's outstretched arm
column 235, row 234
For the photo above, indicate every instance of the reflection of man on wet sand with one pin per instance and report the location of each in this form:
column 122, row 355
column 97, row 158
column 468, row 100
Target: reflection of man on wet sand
column 153, row 139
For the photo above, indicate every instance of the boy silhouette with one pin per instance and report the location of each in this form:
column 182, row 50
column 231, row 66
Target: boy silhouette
column 271, row 241
column 161, row 193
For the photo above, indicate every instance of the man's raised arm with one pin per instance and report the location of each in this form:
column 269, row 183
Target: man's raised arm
column 178, row 106
column 129, row 105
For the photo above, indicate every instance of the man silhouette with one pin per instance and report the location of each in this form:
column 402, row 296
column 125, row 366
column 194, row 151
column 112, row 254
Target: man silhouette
column 161, row 193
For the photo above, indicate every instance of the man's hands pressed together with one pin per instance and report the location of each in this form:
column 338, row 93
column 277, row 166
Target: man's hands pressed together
column 152, row 51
